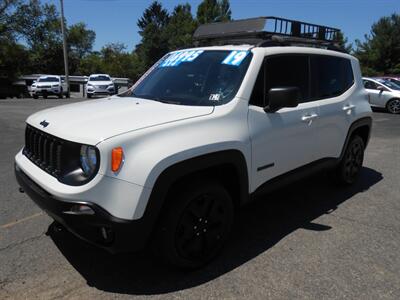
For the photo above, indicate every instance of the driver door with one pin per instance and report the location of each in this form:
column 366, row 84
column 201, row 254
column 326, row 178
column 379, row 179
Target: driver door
column 286, row 139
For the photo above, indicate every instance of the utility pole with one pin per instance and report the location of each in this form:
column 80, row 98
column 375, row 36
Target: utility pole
column 64, row 47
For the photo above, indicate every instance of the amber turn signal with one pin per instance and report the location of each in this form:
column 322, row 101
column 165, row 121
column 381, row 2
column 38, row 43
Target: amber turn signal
column 117, row 157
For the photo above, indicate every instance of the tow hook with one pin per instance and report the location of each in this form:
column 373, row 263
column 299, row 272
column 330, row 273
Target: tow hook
column 21, row 190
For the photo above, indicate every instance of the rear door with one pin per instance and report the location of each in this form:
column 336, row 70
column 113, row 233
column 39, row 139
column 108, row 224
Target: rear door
column 332, row 82
column 284, row 140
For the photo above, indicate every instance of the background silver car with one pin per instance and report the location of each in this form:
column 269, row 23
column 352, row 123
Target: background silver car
column 383, row 93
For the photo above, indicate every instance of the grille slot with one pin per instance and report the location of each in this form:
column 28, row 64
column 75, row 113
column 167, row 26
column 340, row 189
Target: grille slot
column 44, row 150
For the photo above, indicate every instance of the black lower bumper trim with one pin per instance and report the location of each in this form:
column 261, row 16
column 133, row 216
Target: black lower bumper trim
column 122, row 235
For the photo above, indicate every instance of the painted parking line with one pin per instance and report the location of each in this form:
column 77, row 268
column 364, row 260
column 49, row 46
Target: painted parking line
column 11, row 224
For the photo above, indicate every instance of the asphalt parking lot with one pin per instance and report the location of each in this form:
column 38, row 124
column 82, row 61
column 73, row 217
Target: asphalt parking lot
column 310, row 240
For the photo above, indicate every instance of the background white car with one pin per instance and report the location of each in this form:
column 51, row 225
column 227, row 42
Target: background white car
column 47, row 85
column 383, row 93
column 100, row 84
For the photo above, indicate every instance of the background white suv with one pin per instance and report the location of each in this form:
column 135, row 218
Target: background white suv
column 172, row 160
column 48, row 85
column 100, row 84
column 383, row 93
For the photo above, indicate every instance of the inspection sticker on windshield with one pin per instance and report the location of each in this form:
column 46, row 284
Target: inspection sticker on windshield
column 235, row 58
column 181, row 56
column 214, row 97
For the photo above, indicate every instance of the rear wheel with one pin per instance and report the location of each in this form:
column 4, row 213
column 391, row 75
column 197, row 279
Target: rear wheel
column 393, row 106
column 196, row 225
column 35, row 96
column 349, row 168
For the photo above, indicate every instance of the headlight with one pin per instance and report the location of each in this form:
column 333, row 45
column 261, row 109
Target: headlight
column 88, row 160
column 111, row 86
column 89, row 84
column 55, row 85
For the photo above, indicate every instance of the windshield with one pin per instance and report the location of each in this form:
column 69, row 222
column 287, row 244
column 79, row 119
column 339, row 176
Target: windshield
column 194, row 77
column 48, row 79
column 389, row 84
column 99, row 78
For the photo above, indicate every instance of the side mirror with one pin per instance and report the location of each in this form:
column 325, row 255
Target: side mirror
column 281, row 97
column 380, row 88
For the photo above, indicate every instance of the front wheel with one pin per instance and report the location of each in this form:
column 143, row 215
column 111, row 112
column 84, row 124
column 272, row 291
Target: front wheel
column 60, row 95
column 393, row 106
column 196, row 225
column 349, row 168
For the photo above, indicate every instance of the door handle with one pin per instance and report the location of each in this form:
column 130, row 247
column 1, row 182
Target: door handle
column 308, row 118
column 348, row 107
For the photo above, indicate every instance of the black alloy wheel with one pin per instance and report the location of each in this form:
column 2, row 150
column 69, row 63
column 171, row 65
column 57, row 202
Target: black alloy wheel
column 352, row 161
column 196, row 225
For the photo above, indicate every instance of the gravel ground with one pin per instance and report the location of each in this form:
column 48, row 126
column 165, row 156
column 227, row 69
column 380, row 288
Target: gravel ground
column 309, row 240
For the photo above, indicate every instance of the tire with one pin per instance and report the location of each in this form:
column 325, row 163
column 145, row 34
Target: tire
column 349, row 168
column 195, row 226
column 45, row 96
column 35, row 96
column 89, row 96
column 60, row 95
column 393, row 106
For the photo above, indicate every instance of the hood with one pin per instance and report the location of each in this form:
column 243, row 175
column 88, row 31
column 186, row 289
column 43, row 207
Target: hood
column 91, row 122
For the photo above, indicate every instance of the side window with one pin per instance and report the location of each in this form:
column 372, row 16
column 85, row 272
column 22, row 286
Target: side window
column 288, row 71
column 258, row 94
column 348, row 74
column 331, row 76
column 370, row 85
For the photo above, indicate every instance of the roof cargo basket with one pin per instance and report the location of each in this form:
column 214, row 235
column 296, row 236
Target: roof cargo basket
column 268, row 31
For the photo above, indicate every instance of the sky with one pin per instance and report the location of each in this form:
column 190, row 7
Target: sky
column 115, row 20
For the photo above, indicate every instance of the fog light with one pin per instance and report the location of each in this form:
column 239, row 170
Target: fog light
column 80, row 209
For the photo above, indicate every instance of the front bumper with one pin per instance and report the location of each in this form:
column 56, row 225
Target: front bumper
column 46, row 91
column 100, row 91
column 101, row 228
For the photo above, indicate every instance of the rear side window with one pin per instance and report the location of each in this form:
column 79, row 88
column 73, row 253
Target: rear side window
column 331, row 76
column 288, row 71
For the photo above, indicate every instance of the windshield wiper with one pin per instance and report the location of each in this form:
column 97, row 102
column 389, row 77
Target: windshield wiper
column 154, row 98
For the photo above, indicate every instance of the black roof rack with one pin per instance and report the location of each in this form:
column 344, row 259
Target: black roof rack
column 268, row 31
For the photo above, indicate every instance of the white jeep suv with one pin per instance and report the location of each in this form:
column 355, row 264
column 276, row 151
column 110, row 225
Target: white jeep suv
column 100, row 84
column 47, row 85
column 173, row 159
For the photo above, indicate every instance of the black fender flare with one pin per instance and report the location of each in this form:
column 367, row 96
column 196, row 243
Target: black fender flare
column 365, row 121
column 170, row 175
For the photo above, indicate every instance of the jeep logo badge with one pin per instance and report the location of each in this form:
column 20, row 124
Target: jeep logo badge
column 44, row 123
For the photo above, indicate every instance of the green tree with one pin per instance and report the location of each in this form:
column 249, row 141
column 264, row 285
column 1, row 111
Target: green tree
column 379, row 54
column 180, row 27
column 80, row 43
column 13, row 57
column 344, row 42
column 80, row 39
column 213, row 11
column 39, row 26
column 154, row 43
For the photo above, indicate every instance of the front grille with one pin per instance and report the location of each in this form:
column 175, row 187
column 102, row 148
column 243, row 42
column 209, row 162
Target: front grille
column 45, row 86
column 102, row 86
column 44, row 150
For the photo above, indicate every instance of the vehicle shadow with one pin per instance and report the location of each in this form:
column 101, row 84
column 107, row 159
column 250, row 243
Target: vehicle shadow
column 259, row 226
